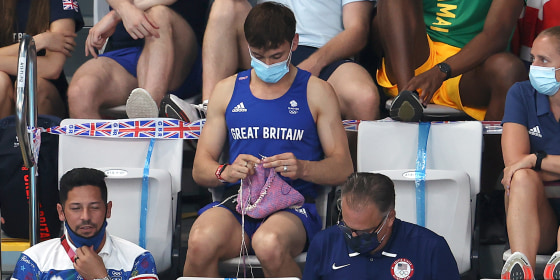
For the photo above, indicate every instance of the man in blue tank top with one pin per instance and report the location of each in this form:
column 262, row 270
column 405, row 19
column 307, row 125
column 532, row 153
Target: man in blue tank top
column 283, row 118
column 371, row 243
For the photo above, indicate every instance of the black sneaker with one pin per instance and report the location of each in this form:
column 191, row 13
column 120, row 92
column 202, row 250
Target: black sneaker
column 174, row 107
column 407, row 107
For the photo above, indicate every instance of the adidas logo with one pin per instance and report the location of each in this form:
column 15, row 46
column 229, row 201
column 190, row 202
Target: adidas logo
column 239, row 108
column 535, row 131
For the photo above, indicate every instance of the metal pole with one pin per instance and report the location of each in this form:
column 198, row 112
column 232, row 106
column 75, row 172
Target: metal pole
column 26, row 121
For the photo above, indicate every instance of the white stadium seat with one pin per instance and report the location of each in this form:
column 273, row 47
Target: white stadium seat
column 452, row 180
column 123, row 160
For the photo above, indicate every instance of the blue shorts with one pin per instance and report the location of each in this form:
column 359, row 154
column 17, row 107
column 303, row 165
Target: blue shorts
column 307, row 214
column 303, row 52
column 128, row 58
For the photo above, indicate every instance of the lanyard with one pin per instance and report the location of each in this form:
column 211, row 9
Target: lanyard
column 67, row 248
column 144, row 195
column 420, row 180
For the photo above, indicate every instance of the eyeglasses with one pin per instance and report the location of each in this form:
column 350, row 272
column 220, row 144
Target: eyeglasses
column 350, row 231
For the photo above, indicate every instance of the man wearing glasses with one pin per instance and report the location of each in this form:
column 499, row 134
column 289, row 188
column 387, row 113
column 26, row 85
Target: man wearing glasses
column 371, row 243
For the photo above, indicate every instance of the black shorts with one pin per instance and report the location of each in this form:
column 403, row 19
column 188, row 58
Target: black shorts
column 303, row 52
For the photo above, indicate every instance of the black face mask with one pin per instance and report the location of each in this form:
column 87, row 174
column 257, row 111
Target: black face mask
column 364, row 242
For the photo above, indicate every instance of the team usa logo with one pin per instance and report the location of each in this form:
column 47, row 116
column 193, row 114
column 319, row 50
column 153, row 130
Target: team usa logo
column 402, row 269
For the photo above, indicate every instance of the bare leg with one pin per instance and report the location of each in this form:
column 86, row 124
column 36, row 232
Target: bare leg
column 166, row 61
column 6, row 95
column 488, row 84
column 224, row 48
column 531, row 223
column 357, row 93
column 98, row 83
column 49, row 101
column 281, row 238
column 401, row 22
column 214, row 236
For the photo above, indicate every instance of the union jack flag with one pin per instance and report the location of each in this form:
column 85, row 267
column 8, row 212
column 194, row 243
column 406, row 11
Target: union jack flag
column 351, row 125
column 70, row 5
column 134, row 128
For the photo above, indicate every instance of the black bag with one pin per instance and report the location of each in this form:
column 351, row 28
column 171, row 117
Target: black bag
column 15, row 184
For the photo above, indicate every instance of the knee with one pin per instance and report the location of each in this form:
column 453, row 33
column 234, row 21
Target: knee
column 524, row 183
column 162, row 15
column 82, row 92
column 228, row 10
column 506, row 69
column 269, row 249
column 5, row 83
column 200, row 246
column 360, row 102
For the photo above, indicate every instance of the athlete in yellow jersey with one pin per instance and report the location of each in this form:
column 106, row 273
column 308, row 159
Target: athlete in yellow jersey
column 453, row 52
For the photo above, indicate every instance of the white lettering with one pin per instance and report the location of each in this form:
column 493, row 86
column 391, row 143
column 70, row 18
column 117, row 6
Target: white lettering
column 280, row 133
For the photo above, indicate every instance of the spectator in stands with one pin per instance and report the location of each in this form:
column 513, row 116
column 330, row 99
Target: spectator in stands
column 246, row 109
column 452, row 53
column 156, row 54
column 331, row 33
column 371, row 243
column 53, row 25
column 86, row 250
column 531, row 148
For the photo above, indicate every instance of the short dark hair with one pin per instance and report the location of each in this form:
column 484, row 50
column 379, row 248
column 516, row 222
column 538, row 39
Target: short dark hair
column 268, row 25
column 553, row 32
column 363, row 188
column 78, row 177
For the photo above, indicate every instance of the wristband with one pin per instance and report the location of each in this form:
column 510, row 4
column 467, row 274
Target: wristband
column 540, row 156
column 219, row 172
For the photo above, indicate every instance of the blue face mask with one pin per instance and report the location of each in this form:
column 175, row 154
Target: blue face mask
column 80, row 241
column 362, row 243
column 543, row 79
column 271, row 73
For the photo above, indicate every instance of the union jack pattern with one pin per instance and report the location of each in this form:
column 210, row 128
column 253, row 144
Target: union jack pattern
column 70, row 5
column 134, row 128
column 351, row 125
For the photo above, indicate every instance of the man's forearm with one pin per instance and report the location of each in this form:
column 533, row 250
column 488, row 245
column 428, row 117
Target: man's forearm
column 140, row 4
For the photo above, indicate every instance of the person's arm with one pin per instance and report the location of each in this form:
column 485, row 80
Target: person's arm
column 136, row 22
column 336, row 165
column 356, row 21
column 212, row 140
column 498, row 27
column 144, row 268
column 100, row 32
column 50, row 65
column 26, row 269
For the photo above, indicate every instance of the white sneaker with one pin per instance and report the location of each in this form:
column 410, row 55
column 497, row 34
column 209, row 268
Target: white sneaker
column 552, row 269
column 176, row 108
column 140, row 104
column 517, row 267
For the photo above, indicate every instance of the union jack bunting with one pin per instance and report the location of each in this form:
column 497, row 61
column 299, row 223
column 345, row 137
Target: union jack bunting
column 70, row 5
column 134, row 128
column 351, row 125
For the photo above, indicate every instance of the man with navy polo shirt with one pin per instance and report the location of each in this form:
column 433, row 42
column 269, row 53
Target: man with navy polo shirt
column 371, row 243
